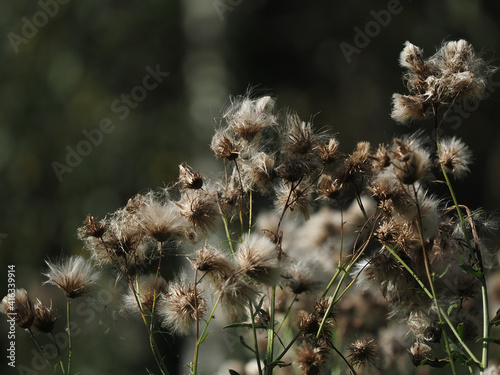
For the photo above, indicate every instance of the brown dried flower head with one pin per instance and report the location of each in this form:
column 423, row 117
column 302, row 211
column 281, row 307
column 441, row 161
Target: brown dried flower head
column 455, row 156
column 310, row 359
column 248, row 117
column 22, row 308
column 213, row 262
column 74, row 275
column 181, row 306
column 200, row 209
column 418, row 352
column 328, row 152
column 258, row 259
column 363, row 352
column 224, row 145
column 44, row 317
column 147, row 290
column 92, row 228
column 189, row 178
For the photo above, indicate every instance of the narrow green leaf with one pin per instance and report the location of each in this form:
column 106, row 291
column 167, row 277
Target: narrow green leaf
column 244, row 325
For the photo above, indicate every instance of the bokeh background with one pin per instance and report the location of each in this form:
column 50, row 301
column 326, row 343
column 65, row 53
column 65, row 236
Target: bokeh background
column 63, row 77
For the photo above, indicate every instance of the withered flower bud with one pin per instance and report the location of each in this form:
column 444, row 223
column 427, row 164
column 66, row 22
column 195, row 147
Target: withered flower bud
column 189, row 178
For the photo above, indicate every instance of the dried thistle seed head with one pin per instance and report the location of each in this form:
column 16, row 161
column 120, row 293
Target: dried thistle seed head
column 181, row 306
column 258, row 259
column 296, row 200
column 410, row 160
column 363, row 352
column 406, row 108
column 147, row 291
column 236, row 296
column 248, row 117
column 303, row 276
column 294, row 169
column 189, row 178
column 44, row 317
column 20, row 305
column 213, row 262
column 462, row 73
column 356, row 163
column 300, row 139
column 418, row 352
column 381, row 159
column 422, row 327
column 308, row 323
column 329, row 187
column 224, row 145
column 260, row 171
column 455, row 156
column 328, row 152
column 91, row 228
column 200, row 209
column 74, row 275
column 161, row 219
column 310, row 359
column 412, row 58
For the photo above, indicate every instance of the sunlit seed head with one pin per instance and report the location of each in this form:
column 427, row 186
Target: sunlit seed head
column 146, row 293
column 74, row 275
column 181, row 306
column 189, row 178
column 19, row 305
column 258, row 259
column 455, row 156
column 44, row 317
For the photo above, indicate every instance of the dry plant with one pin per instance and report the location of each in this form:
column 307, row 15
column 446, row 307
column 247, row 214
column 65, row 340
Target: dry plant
column 348, row 239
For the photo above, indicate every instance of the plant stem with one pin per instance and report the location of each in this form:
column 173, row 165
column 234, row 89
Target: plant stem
column 70, row 347
column 270, row 334
column 41, row 352
column 202, row 336
column 256, row 345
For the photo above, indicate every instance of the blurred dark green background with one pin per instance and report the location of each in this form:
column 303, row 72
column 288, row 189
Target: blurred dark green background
column 63, row 78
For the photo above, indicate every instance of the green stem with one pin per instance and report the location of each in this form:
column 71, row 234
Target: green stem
column 429, row 294
column 41, row 352
column 58, row 352
column 70, row 347
column 256, row 344
column 270, row 334
column 202, row 336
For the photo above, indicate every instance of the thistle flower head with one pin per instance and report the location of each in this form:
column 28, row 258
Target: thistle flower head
column 213, row 262
column 181, row 306
column 310, row 359
column 356, row 163
column 363, row 352
column 74, row 275
column 200, row 209
column 160, row 219
column 418, row 352
column 295, row 198
column 22, row 308
column 247, row 117
column 224, row 145
column 300, row 138
column 44, row 317
column 258, row 259
column 147, row 290
column 328, row 152
column 189, row 178
column 455, row 156
column 410, row 160
column 91, row 228
column 261, row 172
